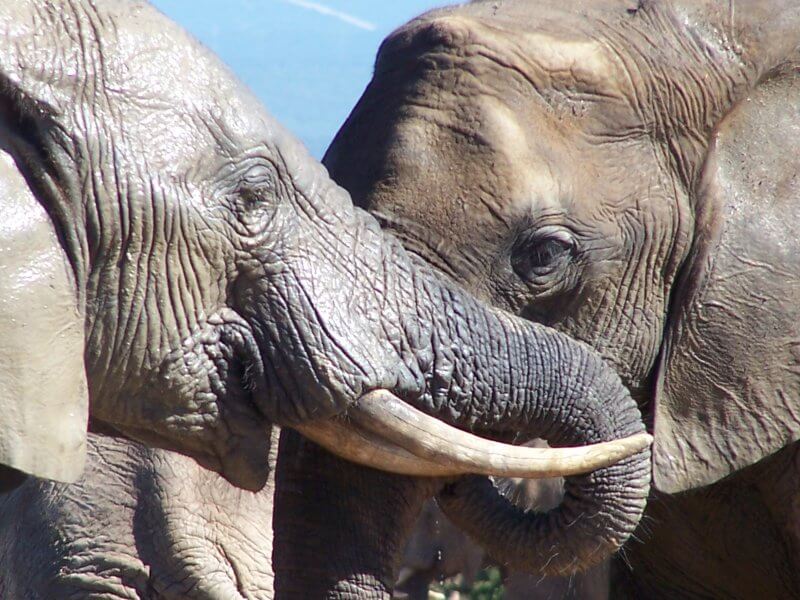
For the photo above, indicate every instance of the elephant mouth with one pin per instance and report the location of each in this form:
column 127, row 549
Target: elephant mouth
column 383, row 432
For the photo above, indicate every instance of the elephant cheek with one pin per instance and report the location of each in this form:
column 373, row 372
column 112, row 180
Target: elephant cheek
column 200, row 402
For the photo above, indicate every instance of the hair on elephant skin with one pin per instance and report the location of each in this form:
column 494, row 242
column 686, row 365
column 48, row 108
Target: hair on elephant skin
column 626, row 173
column 140, row 523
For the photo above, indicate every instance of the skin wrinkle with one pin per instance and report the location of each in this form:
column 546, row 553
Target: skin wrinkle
column 173, row 295
column 192, row 397
column 159, row 304
column 178, row 300
column 508, row 48
column 319, row 321
column 629, row 287
column 135, row 328
column 183, row 297
column 668, row 248
column 677, row 127
column 190, row 267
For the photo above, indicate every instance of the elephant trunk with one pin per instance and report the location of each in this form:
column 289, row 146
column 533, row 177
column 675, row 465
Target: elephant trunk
column 562, row 392
column 508, row 376
column 478, row 369
column 408, row 330
column 540, row 383
column 599, row 510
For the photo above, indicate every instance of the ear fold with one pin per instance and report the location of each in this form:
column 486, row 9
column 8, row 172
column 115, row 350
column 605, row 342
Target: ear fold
column 728, row 388
column 43, row 394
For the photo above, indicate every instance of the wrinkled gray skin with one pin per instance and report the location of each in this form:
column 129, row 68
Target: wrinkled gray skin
column 224, row 281
column 148, row 523
column 139, row 523
column 183, row 270
column 625, row 172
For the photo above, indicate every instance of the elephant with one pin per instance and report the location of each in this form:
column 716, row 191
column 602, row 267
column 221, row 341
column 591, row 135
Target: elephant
column 625, row 172
column 139, row 523
column 180, row 271
column 177, row 270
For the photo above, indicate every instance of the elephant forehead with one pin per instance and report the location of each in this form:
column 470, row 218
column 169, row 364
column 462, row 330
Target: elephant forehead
column 533, row 154
column 176, row 101
column 134, row 74
column 550, row 58
column 465, row 185
column 573, row 66
column 484, row 165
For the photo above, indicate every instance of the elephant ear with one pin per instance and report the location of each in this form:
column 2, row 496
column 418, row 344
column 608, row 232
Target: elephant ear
column 43, row 392
column 728, row 387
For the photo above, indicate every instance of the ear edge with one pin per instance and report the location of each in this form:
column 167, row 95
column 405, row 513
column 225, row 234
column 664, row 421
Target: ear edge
column 43, row 387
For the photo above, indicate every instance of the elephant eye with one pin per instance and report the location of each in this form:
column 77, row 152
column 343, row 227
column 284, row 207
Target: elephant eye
column 542, row 252
column 257, row 187
column 252, row 197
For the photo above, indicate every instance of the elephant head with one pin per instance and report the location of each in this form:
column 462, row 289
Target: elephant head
column 177, row 268
column 624, row 172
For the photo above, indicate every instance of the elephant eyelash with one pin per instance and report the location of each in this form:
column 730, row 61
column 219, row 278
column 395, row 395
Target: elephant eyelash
column 252, row 196
column 255, row 194
column 542, row 252
column 258, row 186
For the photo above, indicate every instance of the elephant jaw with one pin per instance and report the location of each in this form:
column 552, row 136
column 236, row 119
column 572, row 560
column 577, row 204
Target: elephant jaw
column 383, row 432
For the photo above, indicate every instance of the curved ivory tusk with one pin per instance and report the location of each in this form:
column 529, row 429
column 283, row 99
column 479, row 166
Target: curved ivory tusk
column 388, row 434
column 350, row 441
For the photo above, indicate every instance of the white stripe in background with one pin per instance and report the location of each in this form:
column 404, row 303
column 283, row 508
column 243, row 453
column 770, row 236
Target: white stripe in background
column 332, row 12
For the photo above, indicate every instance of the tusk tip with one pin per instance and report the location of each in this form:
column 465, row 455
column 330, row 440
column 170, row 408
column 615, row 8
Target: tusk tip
column 637, row 442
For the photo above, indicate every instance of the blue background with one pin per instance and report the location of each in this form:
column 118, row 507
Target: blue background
column 307, row 60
